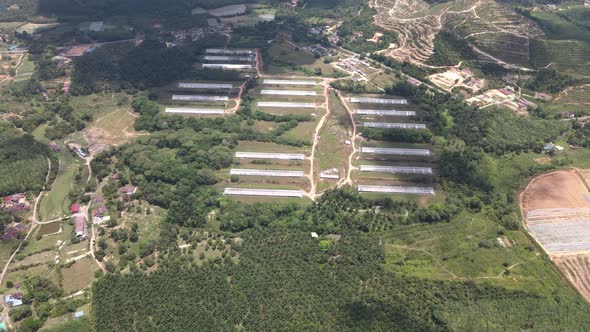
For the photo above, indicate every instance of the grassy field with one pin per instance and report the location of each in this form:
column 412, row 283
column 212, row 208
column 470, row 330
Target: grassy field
column 50, row 228
column 56, row 203
column 332, row 150
column 21, row 275
column 288, row 59
column 460, row 250
column 79, row 275
column 48, row 242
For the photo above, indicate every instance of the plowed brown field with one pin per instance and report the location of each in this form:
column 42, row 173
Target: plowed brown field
column 556, row 209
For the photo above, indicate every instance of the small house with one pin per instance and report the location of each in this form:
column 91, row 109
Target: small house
column 79, row 314
column 75, row 208
column 129, row 190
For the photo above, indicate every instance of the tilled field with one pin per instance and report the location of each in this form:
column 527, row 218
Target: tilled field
column 556, row 208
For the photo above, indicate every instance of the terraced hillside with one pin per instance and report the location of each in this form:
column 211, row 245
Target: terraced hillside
column 494, row 31
column 569, row 56
column 577, row 96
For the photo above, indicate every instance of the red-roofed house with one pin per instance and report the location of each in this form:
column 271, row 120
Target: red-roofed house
column 75, row 208
column 80, row 226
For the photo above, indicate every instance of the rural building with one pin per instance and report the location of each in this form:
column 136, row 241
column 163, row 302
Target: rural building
column 14, row 300
column 80, row 226
column 75, row 208
column 396, row 190
column 54, row 147
column 129, row 190
column 385, row 125
column 314, row 235
column 232, row 10
column 79, row 314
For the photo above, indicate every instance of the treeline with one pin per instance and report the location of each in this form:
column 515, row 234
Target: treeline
column 336, row 211
column 500, row 131
column 449, row 50
column 285, row 280
column 23, row 162
column 398, row 135
column 116, row 68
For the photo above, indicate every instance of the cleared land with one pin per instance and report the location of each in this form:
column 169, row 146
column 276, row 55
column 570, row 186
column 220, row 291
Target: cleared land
column 556, row 208
column 79, row 275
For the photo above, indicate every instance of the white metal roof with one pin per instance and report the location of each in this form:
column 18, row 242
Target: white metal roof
column 385, row 112
column 362, row 100
column 226, row 66
column 396, row 151
column 179, row 110
column 396, row 190
column 263, row 155
column 199, row 98
column 285, row 104
column 204, row 86
column 227, row 58
column 289, row 82
column 227, row 51
column 265, row 172
column 288, row 92
column 396, row 169
column 386, row 125
column 263, row 192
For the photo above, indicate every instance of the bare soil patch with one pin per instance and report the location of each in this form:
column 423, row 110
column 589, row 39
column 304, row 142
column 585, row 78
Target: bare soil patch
column 556, row 211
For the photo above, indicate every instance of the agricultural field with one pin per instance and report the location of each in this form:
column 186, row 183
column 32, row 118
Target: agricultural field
column 494, row 31
column 556, row 211
column 569, row 56
column 56, row 203
column 574, row 96
column 290, row 59
column 79, row 275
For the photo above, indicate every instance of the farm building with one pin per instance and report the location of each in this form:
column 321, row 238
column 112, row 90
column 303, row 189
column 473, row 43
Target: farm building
column 129, row 190
column 80, row 226
column 75, row 208
column 285, row 104
column 289, row 82
column 361, row 100
column 226, row 66
column 385, row 112
column 396, row 190
column 231, row 10
column 15, row 299
column 287, row 93
column 225, row 51
column 227, row 58
column 396, row 169
column 264, row 172
column 79, row 314
column 199, row 98
column 396, row 151
column 205, row 86
column 386, row 125
column 54, row 147
column 263, row 192
column 200, row 111
column 262, row 155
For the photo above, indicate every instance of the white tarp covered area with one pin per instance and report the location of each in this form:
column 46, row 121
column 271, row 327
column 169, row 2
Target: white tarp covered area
column 228, row 51
column 263, row 192
column 179, row 110
column 396, row 190
column 263, row 155
column 266, row 172
column 288, row 93
column 285, row 104
column 396, row 169
column 199, row 98
column 212, row 86
column 225, row 66
column 385, row 112
column 565, row 236
column 396, row 151
column 387, row 125
column 362, row 100
column 289, row 82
